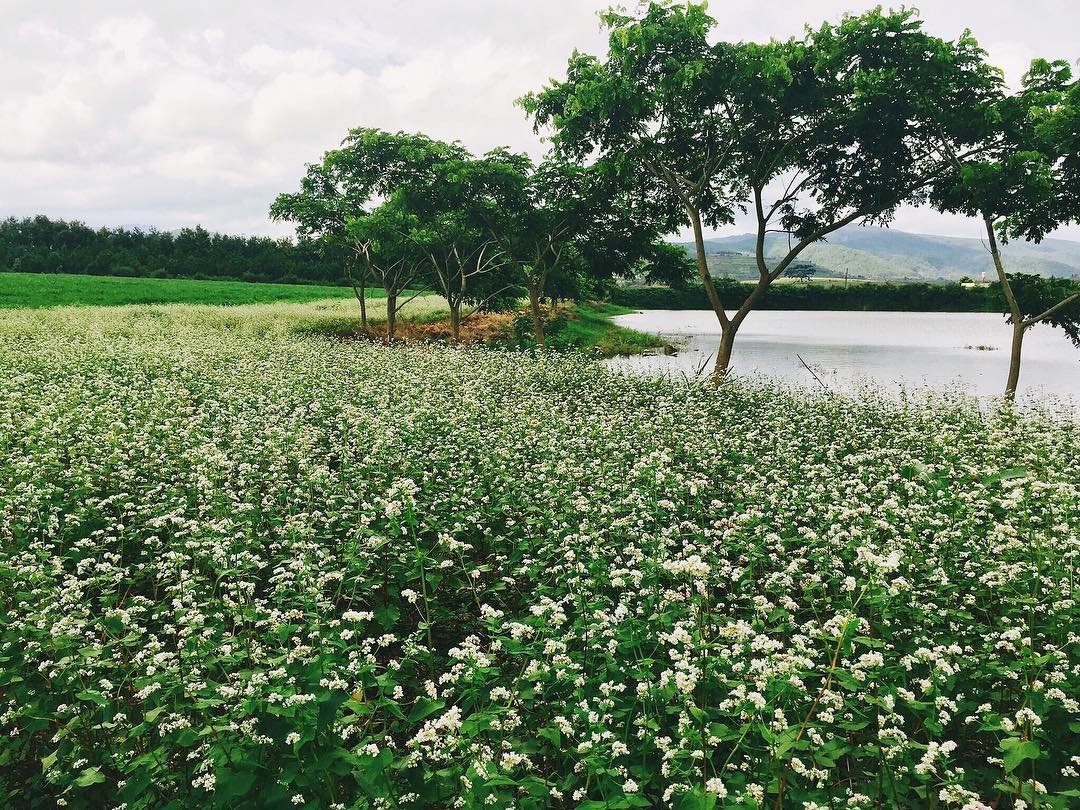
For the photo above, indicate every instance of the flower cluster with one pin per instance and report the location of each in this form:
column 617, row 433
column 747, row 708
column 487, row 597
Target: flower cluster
column 242, row 566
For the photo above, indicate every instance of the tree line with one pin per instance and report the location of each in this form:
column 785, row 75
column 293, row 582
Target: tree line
column 408, row 212
column 861, row 296
column 42, row 245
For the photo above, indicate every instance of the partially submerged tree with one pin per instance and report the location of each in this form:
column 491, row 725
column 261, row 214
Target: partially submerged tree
column 1024, row 184
column 810, row 134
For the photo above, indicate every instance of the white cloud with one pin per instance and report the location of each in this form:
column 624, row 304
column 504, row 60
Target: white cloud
column 176, row 113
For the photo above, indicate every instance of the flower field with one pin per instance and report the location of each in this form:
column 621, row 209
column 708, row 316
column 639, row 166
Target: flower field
column 244, row 566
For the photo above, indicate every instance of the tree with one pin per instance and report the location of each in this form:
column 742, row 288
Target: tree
column 538, row 215
column 383, row 240
column 802, row 271
column 390, row 167
column 1023, row 184
column 320, row 210
column 564, row 225
column 833, row 125
column 358, row 196
column 451, row 230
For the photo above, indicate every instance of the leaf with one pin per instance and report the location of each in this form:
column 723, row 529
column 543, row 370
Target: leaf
column 424, row 708
column 233, row 784
column 1005, row 475
column 1016, row 751
column 186, row 737
column 552, row 735
column 696, row 799
column 90, row 776
column 49, row 761
column 377, row 764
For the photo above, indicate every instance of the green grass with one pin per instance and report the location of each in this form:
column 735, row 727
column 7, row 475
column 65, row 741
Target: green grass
column 589, row 325
column 585, row 326
column 36, row 291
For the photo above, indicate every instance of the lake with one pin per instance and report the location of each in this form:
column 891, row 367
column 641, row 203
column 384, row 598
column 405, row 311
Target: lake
column 890, row 350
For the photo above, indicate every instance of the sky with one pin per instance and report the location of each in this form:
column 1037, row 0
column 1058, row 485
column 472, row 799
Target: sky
column 171, row 114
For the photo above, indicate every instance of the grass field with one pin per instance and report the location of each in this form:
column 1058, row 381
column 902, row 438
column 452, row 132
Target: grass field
column 334, row 309
column 245, row 565
column 35, row 290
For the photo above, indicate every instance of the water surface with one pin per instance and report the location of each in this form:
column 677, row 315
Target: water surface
column 952, row 351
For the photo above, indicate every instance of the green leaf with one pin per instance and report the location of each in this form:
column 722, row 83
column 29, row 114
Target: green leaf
column 233, row 784
column 186, row 737
column 377, row 764
column 1016, row 751
column 424, row 708
column 696, row 799
column 1005, row 475
column 90, row 776
column 49, row 761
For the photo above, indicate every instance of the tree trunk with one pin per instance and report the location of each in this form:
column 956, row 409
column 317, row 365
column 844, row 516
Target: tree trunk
column 363, row 303
column 703, row 266
column 1014, row 360
column 537, row 315
column 1014, row 310
column 723, row 353
column 455, row 322
column 391, row 314
column 359, row 292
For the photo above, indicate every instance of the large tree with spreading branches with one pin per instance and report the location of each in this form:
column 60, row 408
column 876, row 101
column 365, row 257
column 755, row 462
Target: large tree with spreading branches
column 808, row 135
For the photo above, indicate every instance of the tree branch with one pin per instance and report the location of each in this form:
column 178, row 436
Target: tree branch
column 1042, row 316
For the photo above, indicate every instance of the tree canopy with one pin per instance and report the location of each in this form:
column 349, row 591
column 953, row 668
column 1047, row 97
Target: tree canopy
column 808, row 134
column 1022, row 181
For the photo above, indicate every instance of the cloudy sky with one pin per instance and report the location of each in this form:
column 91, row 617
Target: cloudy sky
column 172, row 113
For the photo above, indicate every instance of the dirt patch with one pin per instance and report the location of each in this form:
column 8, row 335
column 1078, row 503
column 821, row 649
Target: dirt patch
column 481, row 327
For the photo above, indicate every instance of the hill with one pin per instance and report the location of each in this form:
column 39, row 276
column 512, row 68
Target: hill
column 885, row 253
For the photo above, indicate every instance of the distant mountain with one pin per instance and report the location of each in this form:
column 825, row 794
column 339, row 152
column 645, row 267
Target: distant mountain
column 884, row 253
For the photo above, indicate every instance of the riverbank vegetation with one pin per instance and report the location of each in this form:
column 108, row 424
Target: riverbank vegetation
column 840, row 296
column 245, row 564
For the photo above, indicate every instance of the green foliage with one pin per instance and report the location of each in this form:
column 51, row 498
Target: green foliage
column 877, row 297
column 1024, row 175
column 700, row 129
column 586, row 327
column 42, row 245
column 1035, row 295
column 801, row 270
column 241, row 567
